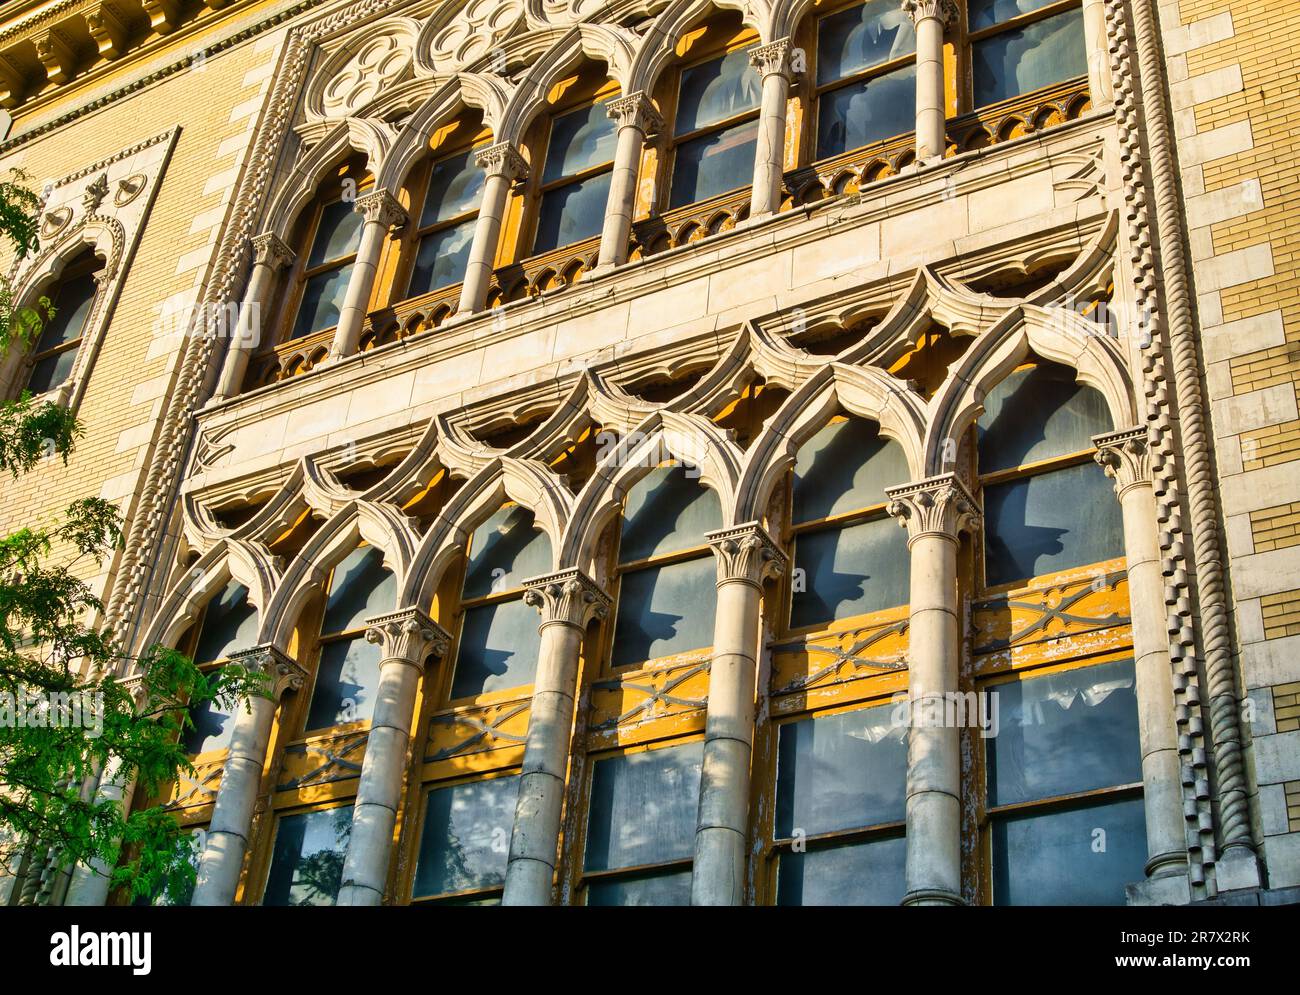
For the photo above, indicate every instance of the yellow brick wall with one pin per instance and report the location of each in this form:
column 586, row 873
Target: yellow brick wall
column 1281, row 614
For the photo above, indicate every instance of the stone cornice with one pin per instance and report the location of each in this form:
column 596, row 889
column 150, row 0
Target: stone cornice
column 746, row 553
column 567, row 597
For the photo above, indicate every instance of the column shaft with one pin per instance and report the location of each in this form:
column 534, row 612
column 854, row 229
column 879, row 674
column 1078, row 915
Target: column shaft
column 772, row 61
column 622, row 196
column 247, row 331
column 503, row 166
column 930, row 116
column 1094, row 36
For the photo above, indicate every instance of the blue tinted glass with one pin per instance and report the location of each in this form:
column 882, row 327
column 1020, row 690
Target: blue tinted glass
column 455, row 186
column 307, row 862
column 1037, row 413
column 52, row 371
column 714, row 91
column 861, row 37
column 663, row 611
column 337, row 234
column 986, row 13
column 1081, row 856
column 229, row 624
column 498, row 649
column 845, row 466
column 665, row 511
column 465, row 840
column 213, row 726
column 666, row 888
column 853, row 874
column 572, row 213
column 1037, row 55
column 1050, row 522
column 713, row 164
column 867, row 111
column 580, row 140
column 361, row 587
column 346, row 683
column 842, row 771
column 72, row 301
column 643, row 807
column 1064, row 733
column 840, row 573
column 441, row 258
column 322, row 301
column 504, row 551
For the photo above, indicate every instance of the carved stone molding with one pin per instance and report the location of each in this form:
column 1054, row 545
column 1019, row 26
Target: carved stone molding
column 110, row 32
column 358, row 73
column 746, row 553
column 1125, row 456
column 773, row 59
column 270, row 250
column 281, row 672
column 939, row 505
column 944, row 11
column 381, row 206
column 502, row 159
column 569, row 597
column 408, row 635
column 635, row 111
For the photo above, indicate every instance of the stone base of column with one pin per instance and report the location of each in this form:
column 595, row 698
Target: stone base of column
column 1172, row 890
column 1236, row 868
column 932, row 896
column 1164, row 865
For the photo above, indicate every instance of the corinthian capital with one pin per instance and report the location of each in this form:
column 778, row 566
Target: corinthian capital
column 935, row 506
column 381, row 206
column 569, row 597
column 772, row 59
column 746, row 553
column 280, row 672
column 1125, row 457
column 409, row 636
column 502, row 159
column 944, row 11
column 635, row 111
column 269, row 249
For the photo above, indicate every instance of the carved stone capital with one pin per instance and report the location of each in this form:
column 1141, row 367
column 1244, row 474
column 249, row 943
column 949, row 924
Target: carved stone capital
column 408, row 635
column 567, row 596
column 1125, row 456
column 944, row 11
column 939, row 505
column 280, row 671
column 270, row 250
column 746, row 553
column 381, row 206
column 502, row 159
column 773, row 59
column 635, row 111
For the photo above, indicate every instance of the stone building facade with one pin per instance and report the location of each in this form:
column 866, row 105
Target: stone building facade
column 662, row 451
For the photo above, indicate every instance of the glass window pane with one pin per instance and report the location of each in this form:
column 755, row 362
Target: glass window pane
column 665, row 610
column 441, row 259
column 855, row 874
column 840, row 573
column 1053, row 521
column 580, row 140
column 861, row 37
column 667, row 888
column 1038, row 413
column 465, row 841
column 665, row 511
column 307, row 862
column 322, row 301
column 571, row 213
column 337, row 234
column 1082, row 856
column 1063, row 733
column 455, row 186
column 713, row 164
column 1016, row 62
column 643, row 807
column 714, row 91
column 498, row 649
column 72, row 302
column 229, row 624
column 505, row 551
column 213, row 726
column 846, row 466
column 360, row 587
column 843, row 771
column 986, row 13
column 346, row 683
column 51, row 371
column 866, row 111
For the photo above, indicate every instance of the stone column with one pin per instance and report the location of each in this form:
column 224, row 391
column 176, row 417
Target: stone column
column 1126, row 460
column 90, row 882
column 407, row 638
column 772, row 62
column 746, row 555
column 930, row 17
column 503, row 165
column 637, row 119
column 382, row 214
column 935, row 510
column 568, row 601
column 270, row 255
column 1094, row 39
column 232, row 815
